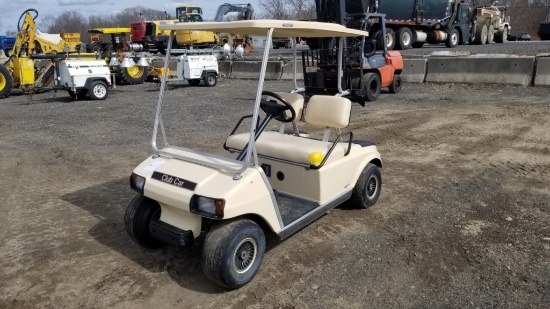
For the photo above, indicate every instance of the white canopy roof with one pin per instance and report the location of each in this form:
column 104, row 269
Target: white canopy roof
column 282, row 28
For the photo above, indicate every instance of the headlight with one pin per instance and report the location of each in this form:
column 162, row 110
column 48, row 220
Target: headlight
column 207, row 207
column 137, row 183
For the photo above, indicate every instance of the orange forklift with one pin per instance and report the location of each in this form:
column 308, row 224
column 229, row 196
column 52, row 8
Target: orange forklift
column 367, row 68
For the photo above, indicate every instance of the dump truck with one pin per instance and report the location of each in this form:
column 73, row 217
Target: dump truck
column 412, row 23
column 492, row 25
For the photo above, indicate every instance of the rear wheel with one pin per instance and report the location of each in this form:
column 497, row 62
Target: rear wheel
column 403, row 38
column 210, row 80
column 371, row 86
column 397, row 84
column 390, row 39
column 6, row 81
column 98, row 90
column 367, row 189
column 481, row 35
column 137, row 219
column 233, row 252
column 491, row 35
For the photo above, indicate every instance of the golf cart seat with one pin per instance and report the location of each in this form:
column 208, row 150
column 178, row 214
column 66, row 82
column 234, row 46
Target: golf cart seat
column 325, row 111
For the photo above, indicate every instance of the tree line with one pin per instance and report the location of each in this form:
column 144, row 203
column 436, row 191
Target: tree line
column 525, row 16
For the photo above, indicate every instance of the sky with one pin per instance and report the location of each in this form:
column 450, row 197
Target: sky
column 10, row 10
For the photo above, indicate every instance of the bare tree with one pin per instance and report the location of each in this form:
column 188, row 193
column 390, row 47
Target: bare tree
column 275, row 9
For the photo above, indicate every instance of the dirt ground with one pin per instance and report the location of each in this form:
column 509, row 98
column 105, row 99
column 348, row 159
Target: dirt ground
column 462, row 222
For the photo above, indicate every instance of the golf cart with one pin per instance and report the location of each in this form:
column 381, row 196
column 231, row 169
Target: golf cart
column 271, row 181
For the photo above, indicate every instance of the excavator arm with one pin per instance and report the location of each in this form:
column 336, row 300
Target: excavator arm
column 26, row 34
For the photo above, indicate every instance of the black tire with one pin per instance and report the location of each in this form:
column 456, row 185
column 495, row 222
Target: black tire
column 94, row 48
column 481, row 35
column 371, row 86
column 368, row 187
column 403, row 38
column 397, row 84
column 233, row 252
column 109, row 48
column 491, row 35
column 98, row 90
column 418, row 44
column 72, row 94
column 453, row 38
column 7, row 52
column 138, row 77
column 210, row 80
column 194, row 82
column 6, row 82
column 139, row 214
column 390, row 39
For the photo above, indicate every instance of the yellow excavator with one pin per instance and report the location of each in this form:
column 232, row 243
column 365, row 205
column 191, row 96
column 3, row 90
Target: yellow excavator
column 30, row 65
column 19, row 70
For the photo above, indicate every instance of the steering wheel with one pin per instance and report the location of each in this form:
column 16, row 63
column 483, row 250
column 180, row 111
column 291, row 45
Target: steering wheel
column 277, row 109
column 23, row 15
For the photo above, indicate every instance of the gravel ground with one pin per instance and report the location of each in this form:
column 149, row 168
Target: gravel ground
column 462, row 221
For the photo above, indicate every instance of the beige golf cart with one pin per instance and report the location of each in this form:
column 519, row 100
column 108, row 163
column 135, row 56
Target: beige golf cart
column 270, row 181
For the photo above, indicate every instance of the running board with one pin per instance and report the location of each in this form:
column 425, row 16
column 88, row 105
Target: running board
column 311, row 216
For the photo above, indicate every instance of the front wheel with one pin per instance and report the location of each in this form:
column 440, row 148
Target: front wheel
column 98, row 90
column 210, row 80
column 453, row 38
column 137, row 219
column 233, row 252
column 371, row 86
column 368, row 187
column 6, row 81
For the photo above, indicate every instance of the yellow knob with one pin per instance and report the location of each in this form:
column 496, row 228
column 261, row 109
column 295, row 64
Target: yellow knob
column 315, row 158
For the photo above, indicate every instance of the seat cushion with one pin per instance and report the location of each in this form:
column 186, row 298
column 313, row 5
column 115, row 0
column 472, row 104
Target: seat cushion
column 328, row 111
column 288, row 147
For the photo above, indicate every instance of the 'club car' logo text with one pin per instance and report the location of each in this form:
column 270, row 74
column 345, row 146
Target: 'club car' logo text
column 173, row 181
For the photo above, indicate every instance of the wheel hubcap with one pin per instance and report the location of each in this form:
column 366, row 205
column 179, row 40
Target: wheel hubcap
column 245, row 255
column 2, row 82
column 406, row 39
column 372, row 186
column 99, row 91
column 454, row 39
column 210, row 80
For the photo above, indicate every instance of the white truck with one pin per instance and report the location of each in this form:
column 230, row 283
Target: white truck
column 83, row 78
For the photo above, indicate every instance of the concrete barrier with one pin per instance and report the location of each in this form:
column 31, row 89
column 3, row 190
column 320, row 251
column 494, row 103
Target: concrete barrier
column 288, row 70
column 224, row 68
column 542, row 75
column 251, row 69
column 414, row 70
column 484, row 70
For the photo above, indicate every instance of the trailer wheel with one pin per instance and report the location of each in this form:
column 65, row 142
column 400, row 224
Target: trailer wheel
column 371, row 86
column 367, row 189
column 491, row 35
column 452, row 39
column 481, row 35
column 98, row 90
column 194, row 82
column 396, row 84
column 133, row 75
column 6, row 82
column 210, row 80
column 139, row 214
column 404, row 38
column 233, row 252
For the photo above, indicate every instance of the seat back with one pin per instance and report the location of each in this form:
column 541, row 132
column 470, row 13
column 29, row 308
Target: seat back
column 328, row 111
